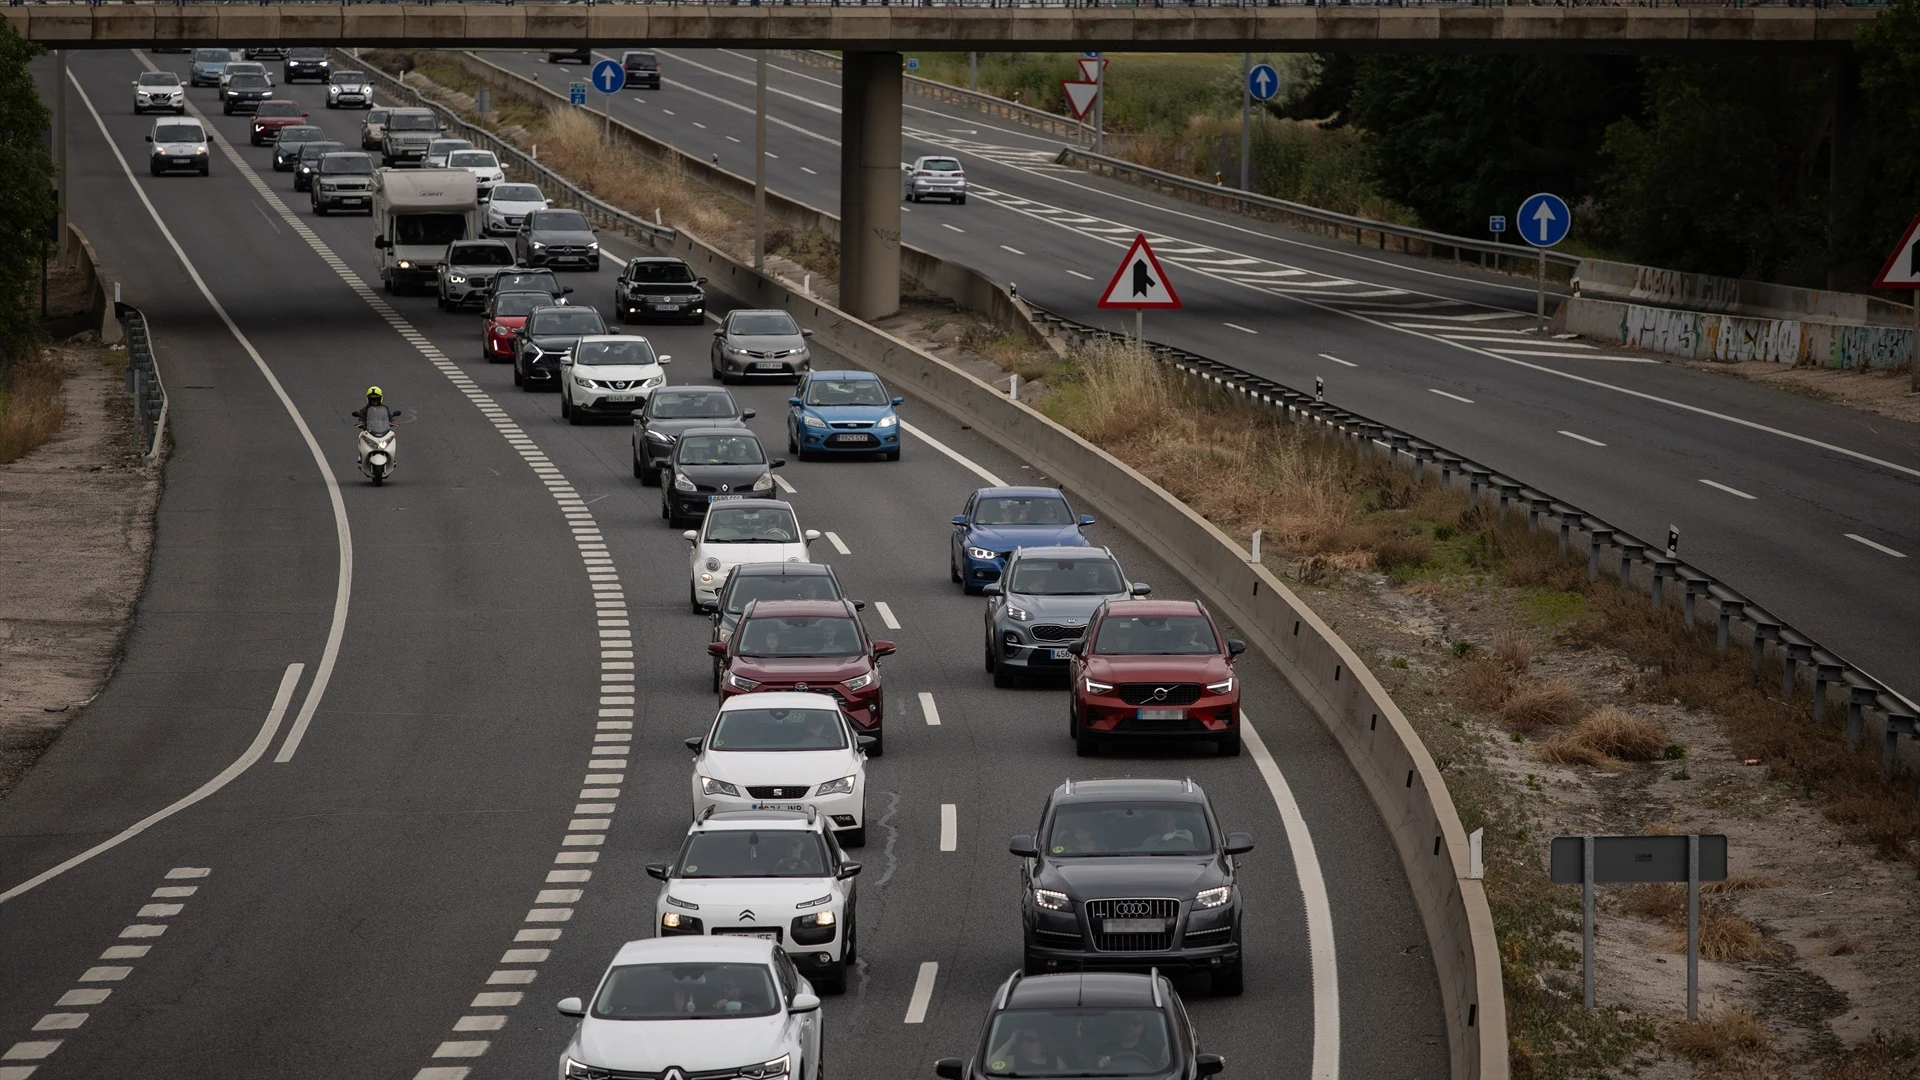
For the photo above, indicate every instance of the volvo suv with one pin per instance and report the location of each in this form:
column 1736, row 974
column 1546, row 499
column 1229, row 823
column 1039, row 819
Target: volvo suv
column 1102, row 1024
column 1041, row 605
column 1153, row 669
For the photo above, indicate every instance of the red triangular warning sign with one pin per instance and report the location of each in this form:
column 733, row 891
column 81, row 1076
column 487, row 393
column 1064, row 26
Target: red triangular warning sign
column 1139, row 283
column 1903, row 269
column 1080, row 96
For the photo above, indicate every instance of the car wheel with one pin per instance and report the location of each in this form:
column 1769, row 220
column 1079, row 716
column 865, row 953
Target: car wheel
column 1085, row 745
column 321, row 211
column 153, row 170
column 878, row 749
column 962, row 200
column 852, row 838
column 666, row 510
column 1230, row 746
column 440, row 300
column 518, row 379
column 205, row 170
column 1229, row 981
column 1003, row 676
column 693, row 598
column 1073, row 720
column 893, row 455
column 792, row 447
column 834, row 979
column 569, row 410
column 987, row 651
column 716, row 675
column 640, row 472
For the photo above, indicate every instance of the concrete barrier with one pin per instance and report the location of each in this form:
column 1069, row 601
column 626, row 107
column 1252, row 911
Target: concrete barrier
column 81, row 256
column 1700, row 335
column 1601, row 279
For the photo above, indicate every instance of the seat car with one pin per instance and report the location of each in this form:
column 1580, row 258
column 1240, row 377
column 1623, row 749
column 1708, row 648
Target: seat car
column 349, row 90
column 159, row 90
column 548, row 335
column 1131, row 875
column 1154, row 669
column 484, row 166
column 244, row 92
column 1099, row 1025
column 522, row 279
column 373, row 129
column 557, row 238
column 808, row 645
column 936, row 178
column 1041, row 606
column 241, row 67
column 581, row 55
column 286, row 145
column 306, row 165
column 997, row 520
column 605, row 376
column 305, row 62
column 272, row 115
column 438, row 149
column 466, row 276
column 642, row 68
column 750, row 530
column 696, row 1007
column 784, row 751
column 843, row 412
column 766, row 873
column 508, row 205
column 660, row 286
column 207, row 66
column 178, row 144
column 710, row 466
column 506, row 313
column 342, row 180
column 751, row 342
column 752, row 581
column 669, row 413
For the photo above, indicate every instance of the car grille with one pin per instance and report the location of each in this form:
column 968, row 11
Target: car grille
column 566, row 252
column 1134, row 723
column 771, row 354
column 1057, row 633
column 1159, row 693
column 664, row 295
column 159, row 99
column 784, row 791
column 710, row 1074
column 1098, row 911
column 774, row 931
column 1219, row 935
column 852, row 424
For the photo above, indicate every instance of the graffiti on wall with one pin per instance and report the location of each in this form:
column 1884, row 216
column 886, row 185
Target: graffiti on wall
column 1870, row 347
column 1663, row 330
column 1702, row 291
column 1773, row 340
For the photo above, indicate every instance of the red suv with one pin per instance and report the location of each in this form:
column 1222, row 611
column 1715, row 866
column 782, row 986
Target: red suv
column 1154, row 669
column 807, row 645
column 273, row 116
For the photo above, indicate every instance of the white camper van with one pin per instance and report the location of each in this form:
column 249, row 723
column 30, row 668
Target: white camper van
column 416, row 214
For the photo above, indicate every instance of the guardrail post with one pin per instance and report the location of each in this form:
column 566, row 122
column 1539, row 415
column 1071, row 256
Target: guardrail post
column 1596, row 539
column 1764, row 630
column 1721, row 640
column 1858, row 698
column 1797, row 653
column 1662, row 569
column 1695, row 587
column 1899, row 722
column 1823, row 674
column 1629, row 552
column 1537, row 507
column 1509, row 491
column 1475, row 477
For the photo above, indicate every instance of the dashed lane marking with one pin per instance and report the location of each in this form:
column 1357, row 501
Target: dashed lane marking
column 929, row 709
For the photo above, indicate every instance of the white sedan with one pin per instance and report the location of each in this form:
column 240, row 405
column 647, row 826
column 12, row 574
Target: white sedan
column 509, row 204
column 739, row 530
column 608, row 375
column 482, row 164
column 782, row 750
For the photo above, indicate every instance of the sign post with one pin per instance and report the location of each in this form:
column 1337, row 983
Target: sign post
column 609, row 77
column 1262, row 82
column 1543, row 220
column 1139, row 284
column 1903, row 272
column 1587, row 861
column 1099, row 76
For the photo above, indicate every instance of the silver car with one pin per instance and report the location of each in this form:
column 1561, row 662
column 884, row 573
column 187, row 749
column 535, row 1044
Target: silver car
column 936, row 178
column 466, row 277
column 1041, row 604
column 760, row 343
column 438, row 149
column 159, row 90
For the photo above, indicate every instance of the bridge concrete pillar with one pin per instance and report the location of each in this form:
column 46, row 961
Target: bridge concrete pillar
column 870, row 89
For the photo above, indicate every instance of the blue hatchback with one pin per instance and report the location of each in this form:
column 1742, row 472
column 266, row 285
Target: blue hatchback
column 998, row 520
column 842, row 412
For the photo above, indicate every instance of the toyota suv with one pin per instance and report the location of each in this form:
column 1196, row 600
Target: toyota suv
column 1097, row 1024
column 408, row 133
column 1041, row 605
column 1131, row 875
column 770, row 581
column 1153, row 669
column 660, row 286
column 808, row 645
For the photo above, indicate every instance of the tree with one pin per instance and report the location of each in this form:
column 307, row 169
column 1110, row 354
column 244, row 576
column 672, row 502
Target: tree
column 1889, row 178
column 27, row 192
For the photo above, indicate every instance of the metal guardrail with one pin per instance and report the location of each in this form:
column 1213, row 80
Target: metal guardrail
column 144, row 385
column 1051, row 123
column 1605, row 541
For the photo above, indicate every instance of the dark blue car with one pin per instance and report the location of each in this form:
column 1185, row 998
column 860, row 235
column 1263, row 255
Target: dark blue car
column 998, row 520
column 842, row 412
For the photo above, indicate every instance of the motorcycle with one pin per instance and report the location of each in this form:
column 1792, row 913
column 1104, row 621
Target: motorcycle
column 379, row 443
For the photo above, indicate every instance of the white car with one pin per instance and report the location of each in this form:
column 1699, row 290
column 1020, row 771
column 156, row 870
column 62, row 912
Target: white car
column 509, row 204
column 686, row 1006
column 482, row 164
column 439, row 149
column 608, row 375
column 741, row 530
column 770, row 872
column 784, row 750
column 159, row 90
column 251, row 67
column 936, row 178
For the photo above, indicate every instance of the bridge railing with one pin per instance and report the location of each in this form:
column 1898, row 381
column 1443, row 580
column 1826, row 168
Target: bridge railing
column 1159, row 4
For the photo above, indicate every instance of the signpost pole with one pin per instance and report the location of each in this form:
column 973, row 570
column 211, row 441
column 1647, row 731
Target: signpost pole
column 1913, row 359
column 1100, row 108
column 1140, row 328
column 1540, row 289
column 973, row 72
column 760, row 161
column 1693, row 926
column 1246, row 115
column 1586, row 922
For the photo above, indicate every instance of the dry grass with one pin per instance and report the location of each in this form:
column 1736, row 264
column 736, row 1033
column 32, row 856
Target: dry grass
column 1725, row 935
column 1723, row 1035
column 1605, row 738
column 1537, row 705
column 33, row 407
column 1884, row 1057
column 571, row 144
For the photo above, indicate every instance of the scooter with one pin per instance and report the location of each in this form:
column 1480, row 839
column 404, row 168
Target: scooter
column 379, row 449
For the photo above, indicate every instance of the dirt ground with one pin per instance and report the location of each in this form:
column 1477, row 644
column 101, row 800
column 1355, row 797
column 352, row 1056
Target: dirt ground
column 1883, row 393
column 76, row 527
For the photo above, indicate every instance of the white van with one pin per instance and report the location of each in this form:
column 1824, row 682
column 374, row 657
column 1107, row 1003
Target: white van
column 179, row 144
column 416, row 214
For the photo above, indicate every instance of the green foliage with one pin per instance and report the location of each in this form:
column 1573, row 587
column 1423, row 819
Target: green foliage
column 1888, row 192
column 26, row 195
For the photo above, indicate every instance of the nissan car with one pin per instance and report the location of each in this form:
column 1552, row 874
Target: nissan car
column 843, row 412
column 1153, row 670
column 605, row 376
column 784, row 751
column 808, row 645
column 671, row 412
column 159, row 90
column 1042, row 604
column 711, row 466
column 548, row 337
column 747, row 530
column 757, row 343
column 660, row 286
column 999, row 520
column 467, row 273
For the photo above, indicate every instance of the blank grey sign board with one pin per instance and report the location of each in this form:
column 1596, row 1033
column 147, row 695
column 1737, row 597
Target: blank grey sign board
column 1636, row 859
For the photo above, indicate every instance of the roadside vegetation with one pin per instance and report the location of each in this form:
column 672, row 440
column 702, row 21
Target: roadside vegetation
column 31, row 408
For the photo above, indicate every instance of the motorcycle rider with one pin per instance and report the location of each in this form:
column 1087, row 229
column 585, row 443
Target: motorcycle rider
column 375, row 414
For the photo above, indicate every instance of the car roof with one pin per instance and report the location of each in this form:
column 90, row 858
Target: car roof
column 716, row 948
column 554, row 307
column 613, row 337
column 780, row 699
column 1060, row 552
column 734, row 431
column 753, row 504
column 1155, row 607
column 1130, row 787
column 793, row 609
column 1018, row 490
column 771, row 820
column 851, row 376
column 485, row 242
column 657, row 259
column 783, row 569
column 1091, row 989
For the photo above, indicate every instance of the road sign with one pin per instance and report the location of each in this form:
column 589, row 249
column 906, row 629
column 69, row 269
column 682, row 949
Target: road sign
column 1497, row 224
column 1139, row 284
column 913, row 63
column 577, row 93
column 1080, row 96
column 1090, row 68
column 1544, row 220
column 1903, row 268
column 1263, row 82
column 609, row 76
column 1091, row 55
column 1587, row 861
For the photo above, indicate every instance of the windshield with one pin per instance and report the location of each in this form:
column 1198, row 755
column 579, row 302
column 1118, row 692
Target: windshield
column 299, row 133
column 412, row 122
column 175, row 133
column 542, row 280
column 212, row 56
column 741, row 449
column 661, row 273
column 379, row 419
column 448, row 146
column 752, row 525
column 347, row 78
column 780, row 587
column 1142, row 829
column 356, row 164
column 763, row 730
column 763, row 323
column 1078, row 1042
column 517, row 193
column 692, row 404
column 244, row 81
column 691, row 991
column 517, row 305
column 750, row 853
column 314, row 151
column 242, row 67
column 159, row 78
column 566, row 220
column 801, row 635
column 472, row 159
column 481, row 255
column 612, row 353
column 306, row 52
column 1156, row 635
column 641, row 58
column 278, row 108
column 435, row 229
column 1066, row 577
column 940, row 164
column 576, row 321
column 846, row 392
column 378, row 116
column 1023, row 510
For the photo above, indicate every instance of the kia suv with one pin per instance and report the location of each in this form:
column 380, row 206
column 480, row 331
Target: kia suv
column 1098, row 1024
column 1041, row 605
column 810, row 645
column 1153, row 669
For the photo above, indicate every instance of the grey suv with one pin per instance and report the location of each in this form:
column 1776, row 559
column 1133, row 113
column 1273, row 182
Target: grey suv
column 1041, row 605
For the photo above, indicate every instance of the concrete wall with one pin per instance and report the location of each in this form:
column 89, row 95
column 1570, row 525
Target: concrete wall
column 1601, row 279
column 100, row 316
column 1703, row 335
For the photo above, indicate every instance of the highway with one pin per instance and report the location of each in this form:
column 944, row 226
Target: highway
column 1804, row 506
column 223, row 869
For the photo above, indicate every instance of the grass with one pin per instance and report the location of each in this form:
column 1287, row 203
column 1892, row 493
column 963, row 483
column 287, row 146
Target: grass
column 33, row 406
column 1604, row 738
column 1723, row 1035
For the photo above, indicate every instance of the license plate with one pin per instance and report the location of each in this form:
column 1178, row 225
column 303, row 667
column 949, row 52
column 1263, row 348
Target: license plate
column 1059, row 654
column 850, row 439
column 724, row 498
column 619, row 398
column 1163, row 714
column 780, row 806
column 183, row 161
column 1134, row 926
column 667, row 307
column 351, row 202
column 768, row 367
column 767, row 935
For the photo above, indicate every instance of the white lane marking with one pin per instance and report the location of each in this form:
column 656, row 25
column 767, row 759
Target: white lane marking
column 1081, row 276
column 1237, row 326
column 808, row 171
column 922, row 992
column 839, row 545
column 886, row 614
column 956, row 455
column 781, row 481
column 1582, row 438
column 929, row 709
column 1571, row 348
column 669, row 112
column 1456, row 397
column 732, row 139
column 1882, row 548
column 1503, row 351
column 1337, row 360
column 1313, row 889
column 268, row 728
column 955, row 228
column 1728, row 490
column 700, row 125
column 1015, row 250
column 949, row 827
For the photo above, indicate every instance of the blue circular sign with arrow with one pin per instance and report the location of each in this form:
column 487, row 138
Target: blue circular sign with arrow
column 1263, row 82
column 609, row 76
column 1543, row 220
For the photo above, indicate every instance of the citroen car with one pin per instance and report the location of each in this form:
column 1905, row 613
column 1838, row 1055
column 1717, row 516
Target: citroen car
column 306, row 164
column 605, row 376
column 1102, row 1025
column 843, row 412
column 936, row 178
column 508, row 205
column 998, row 520
column 710, row 466
column 467, row 273
column 557, row 238
column 757, row 343
column 342, row 180
column 671, row 412
column 349, row 90
column 272, row 115
column 784, row 751
column 746, row 530
column 207, row 66
column 808, row 645
column 660, row 286
column 159, row 90
column 1041, row 606
column 547, row 337
column 286, row 145
column 752, row 581
column 305, row 62
column 1153, row 670
column 178, row 145
column 1131, row 875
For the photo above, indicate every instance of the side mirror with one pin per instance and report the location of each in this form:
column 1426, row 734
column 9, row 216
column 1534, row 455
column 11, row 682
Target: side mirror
column 690, row 536
column 1208, row 1064
column 992, row 590
column 746, row 414
column 716, row 648
column 948, row 1068
column 1023, row 846
column 665, row 358
column 812, row 535
column 1086, row 520
column 806, row 333
column 859, row 605
column 572, row 1006
column 566, row 290
column 899, row 401
column 719, row 333
column 694, row 744
column 1140, row 588
column 1079, row 646
column 657, row 871
column 638, row 415
column 1235, row 646
column 1238, row 843
column 959, row 519
column 803, row 1002
column 699, row 281
column 303, row 116
column 380, row 242
column 149, row 138
column 793, row 401
column 863, row 743
column 882, row 648
column 851, row 869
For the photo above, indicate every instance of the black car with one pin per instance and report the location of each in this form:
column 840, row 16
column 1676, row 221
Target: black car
column 286, row 148
column 643, row 69
column 521, row 279
column 307, row 162
column 305, row 62
column 1104, row 1024
column 557, row 238
column 752, row 581
column 245, row 92
column 549, row 334
column 660, row 286
column 581, row 55
column 713, row 464
column 672, row 411
column 1128, row 875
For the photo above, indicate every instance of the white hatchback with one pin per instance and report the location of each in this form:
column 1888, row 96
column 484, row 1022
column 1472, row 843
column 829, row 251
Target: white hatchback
column 609, row 375
column 784, row 750
column 739, row 530
column 482, row 164
column 509, row 204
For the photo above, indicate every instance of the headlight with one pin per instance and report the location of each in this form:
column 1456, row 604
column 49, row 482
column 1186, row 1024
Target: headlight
column 815, row 902
column 594, row 246
column 681, row 483
column 738, row 683
column 735, row 350
column 842, row 786
column 1050, row 899
column 577, row 1071
column 710, row 786
column 1213, row 898
column 818, row 918
column 887, row 421
column 766, row 1070
column 980, row 553
column 588, row 383
column 538, row 246
column 655, row 436
column 765, row 483
column 813, row 421
column 405, row 265
column 456, row 279
column 1098, row 687
column 859, row 682
column 1224, row 686
column 1019, row 614
column 679, row 903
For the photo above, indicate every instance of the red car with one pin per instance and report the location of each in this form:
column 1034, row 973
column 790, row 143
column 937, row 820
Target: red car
column 274, row 115
column 506, row 313
column 807, row 645
column 1154, row 669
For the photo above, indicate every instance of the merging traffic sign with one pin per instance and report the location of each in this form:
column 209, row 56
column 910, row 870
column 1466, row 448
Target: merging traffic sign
column 1543, row 220
column 1139, row 284
column 609, row 76
column 1903, row 267
column 1263, row 82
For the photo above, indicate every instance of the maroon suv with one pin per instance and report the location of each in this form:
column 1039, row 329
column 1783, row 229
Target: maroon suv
column 816, row 646
column 1154, row 669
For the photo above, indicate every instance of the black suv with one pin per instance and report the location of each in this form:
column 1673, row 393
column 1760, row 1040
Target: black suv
column 1103, row 1024
column 549, row 334
column 1129, row 875
column 660, row 286
column 642, row 68
column 670, row 412
column 305, row 62
column 245, row 92
column 752, row 581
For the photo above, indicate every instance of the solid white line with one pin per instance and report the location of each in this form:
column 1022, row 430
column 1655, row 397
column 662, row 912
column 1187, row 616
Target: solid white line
column 782, row 482
column 949, row 827
column 1882, row 548
column 956, row 455
column 1728, row 490
column 1313, row 889
column 839, row 545
column 1016, row 251
column 929, row 709
column 886, row 614
column 1237, row 326
column 1081, row 276
column 1456, row 397
column 1503, row 352
column 808, row 171
column 1583, row 438
column 922, row 992
column 955, row 228
column 1337, row 360
column 261, row 741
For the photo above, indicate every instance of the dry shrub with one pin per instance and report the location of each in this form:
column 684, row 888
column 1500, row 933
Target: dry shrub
column 33, row 407
column 1604, row 738
column 1883, row 1057
column 571, row 144
column 1539, row 705
column 1725, row 935
column 1533, row 560
column 1513, row 651
column 1482, row 681
column 1724, row 1034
